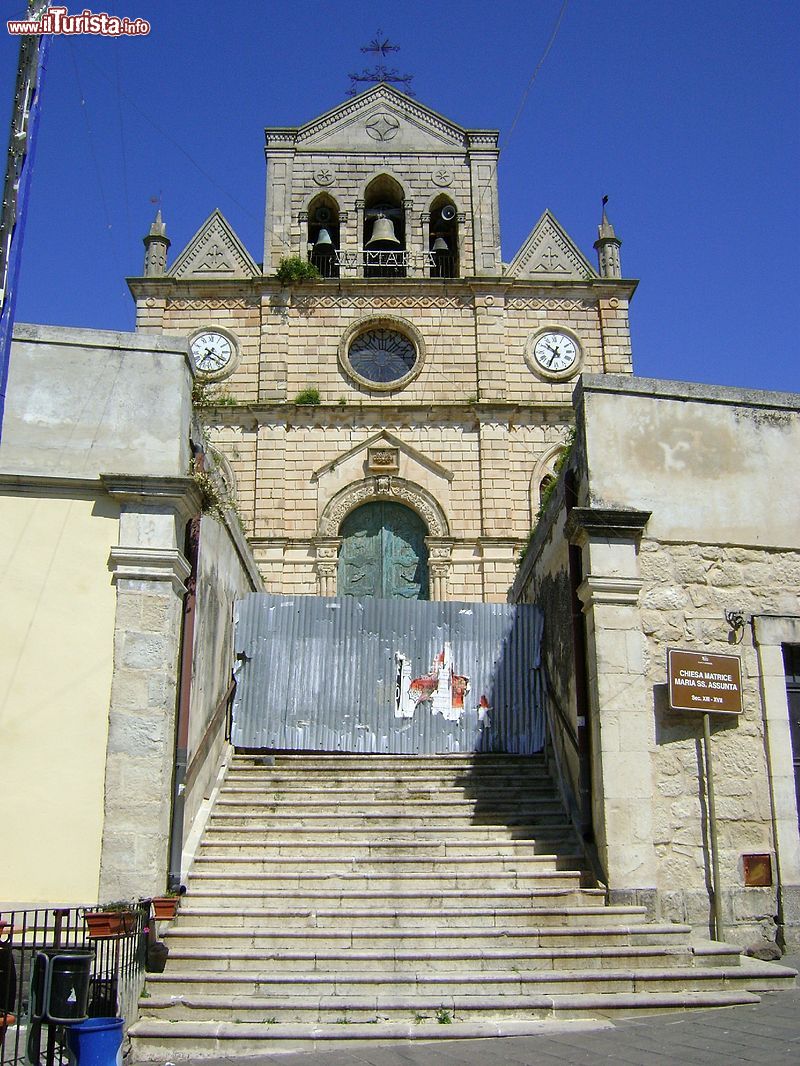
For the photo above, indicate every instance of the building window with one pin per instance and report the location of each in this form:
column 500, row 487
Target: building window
column 381, row 354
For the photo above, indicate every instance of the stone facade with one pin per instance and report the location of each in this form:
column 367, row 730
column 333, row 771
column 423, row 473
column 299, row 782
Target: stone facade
column 477, row 421
column 669, row 556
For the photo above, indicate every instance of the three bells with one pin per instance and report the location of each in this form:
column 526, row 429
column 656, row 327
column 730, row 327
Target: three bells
column 383, row 236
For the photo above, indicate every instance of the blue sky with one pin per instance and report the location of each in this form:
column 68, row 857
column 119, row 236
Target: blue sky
column 685, row 113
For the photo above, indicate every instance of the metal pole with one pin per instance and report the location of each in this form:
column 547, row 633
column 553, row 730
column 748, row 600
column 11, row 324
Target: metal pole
column 712, row 831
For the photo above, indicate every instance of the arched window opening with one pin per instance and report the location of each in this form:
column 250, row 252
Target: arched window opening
column 384, row 232
column 323, row 235
column 443, row 240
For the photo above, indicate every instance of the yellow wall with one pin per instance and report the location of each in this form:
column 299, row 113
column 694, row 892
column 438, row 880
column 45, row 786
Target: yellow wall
column 56, row 646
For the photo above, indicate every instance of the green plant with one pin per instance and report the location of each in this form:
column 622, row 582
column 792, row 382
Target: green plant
column 293, row 270
column 204, row 394
column 343, row 401
column 443, row 1016
column 309, row 397
column 419, row 1018
column 561, row 461
column 343, row 1021
column 472, row 399
column 270, row 1021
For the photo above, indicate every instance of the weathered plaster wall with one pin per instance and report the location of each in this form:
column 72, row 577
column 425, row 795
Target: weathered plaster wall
column 227, row 572
column 79, row 397
column 56, row 629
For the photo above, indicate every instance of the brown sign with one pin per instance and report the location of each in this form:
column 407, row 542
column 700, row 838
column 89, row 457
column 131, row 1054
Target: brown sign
column 699, row 682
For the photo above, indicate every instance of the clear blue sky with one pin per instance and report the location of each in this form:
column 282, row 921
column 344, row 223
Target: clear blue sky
column 685, row 113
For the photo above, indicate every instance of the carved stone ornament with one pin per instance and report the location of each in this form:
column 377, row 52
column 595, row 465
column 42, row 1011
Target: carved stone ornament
column 383, row 127
column 442, row 178
column 324, row 176
column 417, row 498
column 383, row 460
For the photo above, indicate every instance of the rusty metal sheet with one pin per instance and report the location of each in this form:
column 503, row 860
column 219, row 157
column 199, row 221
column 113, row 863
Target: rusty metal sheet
column 387, row 675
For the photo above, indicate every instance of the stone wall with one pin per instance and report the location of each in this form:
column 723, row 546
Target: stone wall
column 677, row 524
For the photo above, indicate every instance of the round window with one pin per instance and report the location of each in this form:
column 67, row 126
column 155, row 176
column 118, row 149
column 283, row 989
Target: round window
column 382, row 356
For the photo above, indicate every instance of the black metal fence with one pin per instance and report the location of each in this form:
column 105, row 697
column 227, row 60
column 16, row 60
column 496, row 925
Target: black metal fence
column 117, row 972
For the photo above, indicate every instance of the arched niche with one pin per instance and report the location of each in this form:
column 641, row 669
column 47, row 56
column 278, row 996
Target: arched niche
column 384, row 229
column 443, row 238
column 323, row 234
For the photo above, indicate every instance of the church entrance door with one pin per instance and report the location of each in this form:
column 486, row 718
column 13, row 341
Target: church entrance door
column 383, row 553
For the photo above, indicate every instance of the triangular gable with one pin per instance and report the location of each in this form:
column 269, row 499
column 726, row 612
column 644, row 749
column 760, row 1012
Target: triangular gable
column 549, row 253
column 214, row 252
column 379, row 119
column 384, row 437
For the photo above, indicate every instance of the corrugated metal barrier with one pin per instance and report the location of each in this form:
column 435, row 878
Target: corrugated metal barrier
column 387, row 675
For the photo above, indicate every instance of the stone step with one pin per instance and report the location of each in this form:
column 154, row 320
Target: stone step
column 387, row 866
column 282, row 937
column 441, row 762
column 351, row 850
column 383, row 915
column 389, row 899
column 422, row 785
column 233, row 826
column 160, row 1041
column 331, row 883
column 472, row 960
column 446, row 807
column 399, row 1007
column 513, row 982
column 546, row 823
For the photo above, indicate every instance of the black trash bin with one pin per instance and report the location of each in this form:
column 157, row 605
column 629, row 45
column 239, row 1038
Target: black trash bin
column 60, row 985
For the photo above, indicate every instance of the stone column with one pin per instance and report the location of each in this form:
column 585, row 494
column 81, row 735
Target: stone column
column 440, row 563
column 769, row 636
column 622, row 727
column 149, row 570
column 327, row 563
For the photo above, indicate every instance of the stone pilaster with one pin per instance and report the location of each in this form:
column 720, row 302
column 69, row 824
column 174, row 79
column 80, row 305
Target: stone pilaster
column 327, row 564
column 149, row 572
column 620, row 706
column 440, row 563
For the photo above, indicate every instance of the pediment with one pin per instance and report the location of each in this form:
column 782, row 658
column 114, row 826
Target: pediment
column 214, row 252
column 379, row 120
column 549, row 253
column 358, row 455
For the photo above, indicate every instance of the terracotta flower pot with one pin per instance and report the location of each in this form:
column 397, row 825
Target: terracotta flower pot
column 103, row 925
column 6, row 1020
column 165, row 907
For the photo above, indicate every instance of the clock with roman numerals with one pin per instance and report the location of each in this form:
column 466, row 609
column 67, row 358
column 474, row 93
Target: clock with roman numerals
column 212, row 352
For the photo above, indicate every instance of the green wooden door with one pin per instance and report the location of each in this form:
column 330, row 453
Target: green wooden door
column 383, row 553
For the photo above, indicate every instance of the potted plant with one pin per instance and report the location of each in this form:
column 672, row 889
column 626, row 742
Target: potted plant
column 166, row 907
column 110, row 920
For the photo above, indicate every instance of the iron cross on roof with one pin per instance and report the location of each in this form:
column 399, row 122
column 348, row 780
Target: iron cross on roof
column 380, row 45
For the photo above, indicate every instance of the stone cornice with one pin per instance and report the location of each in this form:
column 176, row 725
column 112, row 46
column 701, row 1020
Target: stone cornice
column 617, row 591
column 180, row 493
column 605, row 523
column 149, row 564
column 267, row 284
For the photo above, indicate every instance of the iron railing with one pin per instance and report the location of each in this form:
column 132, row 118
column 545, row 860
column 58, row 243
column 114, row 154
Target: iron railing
column 117, row 974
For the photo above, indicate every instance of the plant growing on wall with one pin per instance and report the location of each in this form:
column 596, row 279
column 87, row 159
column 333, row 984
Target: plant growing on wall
column 294, row 270
column 309, row 397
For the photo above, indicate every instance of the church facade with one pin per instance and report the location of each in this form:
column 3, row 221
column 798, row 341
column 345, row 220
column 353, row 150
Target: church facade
column 387, row 428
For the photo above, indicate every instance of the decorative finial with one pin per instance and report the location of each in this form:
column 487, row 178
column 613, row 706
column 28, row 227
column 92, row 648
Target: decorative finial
column 607, row 246
column 380, row 45
column 156, row 245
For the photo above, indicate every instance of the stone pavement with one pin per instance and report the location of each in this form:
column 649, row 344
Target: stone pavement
column 767, row 1032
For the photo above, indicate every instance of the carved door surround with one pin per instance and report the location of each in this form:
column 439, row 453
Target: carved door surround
column 384, row 487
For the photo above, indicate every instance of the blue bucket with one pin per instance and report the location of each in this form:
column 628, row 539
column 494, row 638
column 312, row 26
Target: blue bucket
column 96, row 1042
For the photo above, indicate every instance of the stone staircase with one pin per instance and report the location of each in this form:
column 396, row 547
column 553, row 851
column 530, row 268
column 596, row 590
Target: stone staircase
column 347, row 897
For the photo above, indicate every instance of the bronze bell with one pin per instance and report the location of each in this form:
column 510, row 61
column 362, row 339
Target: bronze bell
column 383, row 233
column 440, row 245
column 324, row 242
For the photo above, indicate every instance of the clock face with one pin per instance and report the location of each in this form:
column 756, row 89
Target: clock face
column 555, row 351
column 211, row 352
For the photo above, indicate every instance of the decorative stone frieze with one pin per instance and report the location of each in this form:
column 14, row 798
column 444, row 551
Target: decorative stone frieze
column 387, row 488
